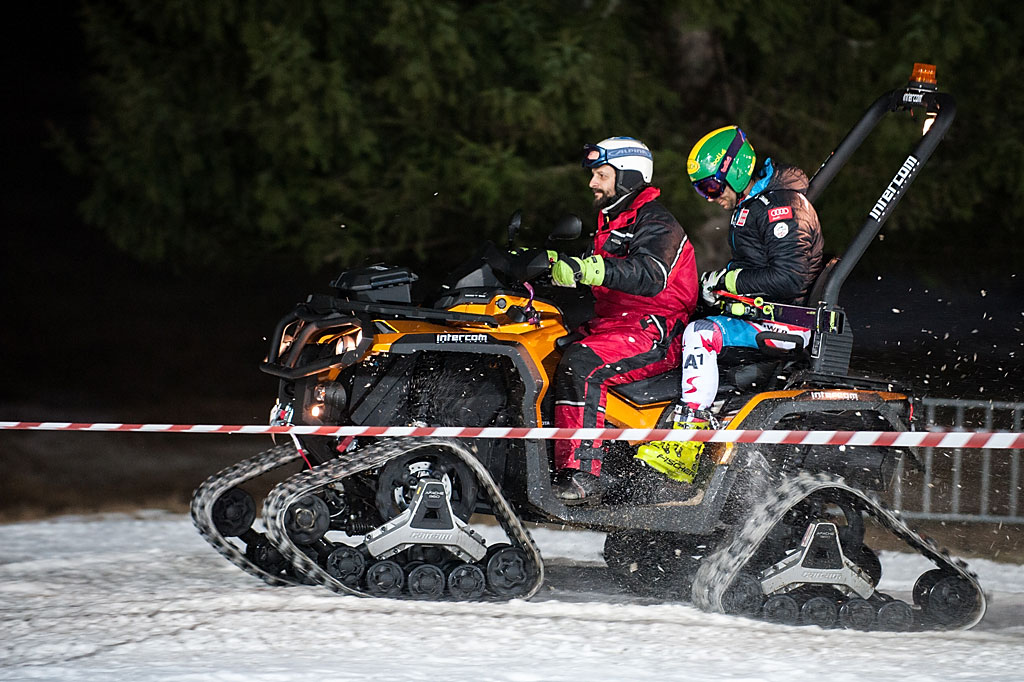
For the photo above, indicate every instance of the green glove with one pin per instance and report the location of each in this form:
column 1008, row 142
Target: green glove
column 716, row 280
column 730, row 281
column 590, row 271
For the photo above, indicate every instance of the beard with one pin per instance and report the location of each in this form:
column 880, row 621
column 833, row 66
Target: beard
column 603, row 200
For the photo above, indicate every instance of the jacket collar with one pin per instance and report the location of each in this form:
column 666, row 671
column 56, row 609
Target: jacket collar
column 621, row 211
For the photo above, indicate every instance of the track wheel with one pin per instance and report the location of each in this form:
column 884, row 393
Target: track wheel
column 857, row 614
column 262, row 553
column 924, row 584
column 426, row 581
column 400, row 477
column 895, row 616
column 783, row 609
column 820, row 611
column 507, row 572
column 744, row 597
column 307, row 520
column 345, row 564
column 950, row 600
column 233, row 512
column 466, row 582
column 385, row 579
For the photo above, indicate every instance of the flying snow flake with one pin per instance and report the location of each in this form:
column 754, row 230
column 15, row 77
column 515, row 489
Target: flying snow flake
column 984, row 293
column 897, row 311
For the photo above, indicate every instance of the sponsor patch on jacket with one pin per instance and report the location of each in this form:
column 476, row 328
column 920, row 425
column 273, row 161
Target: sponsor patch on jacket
column 742, row 218
column 781, row 230
column 780, row 213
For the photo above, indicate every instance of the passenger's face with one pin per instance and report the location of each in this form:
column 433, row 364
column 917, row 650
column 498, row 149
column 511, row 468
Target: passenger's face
column 602, row 184
column 728, row 200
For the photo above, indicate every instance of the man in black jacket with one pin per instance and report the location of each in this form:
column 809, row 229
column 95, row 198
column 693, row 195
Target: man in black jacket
column 776, row 255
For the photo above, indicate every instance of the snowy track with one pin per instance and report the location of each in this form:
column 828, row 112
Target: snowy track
column 144, row 598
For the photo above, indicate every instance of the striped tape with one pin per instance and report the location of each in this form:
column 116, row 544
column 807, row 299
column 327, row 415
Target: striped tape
column 937, row 439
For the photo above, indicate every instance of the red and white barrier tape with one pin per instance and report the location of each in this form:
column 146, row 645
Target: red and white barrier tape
column 937, row 439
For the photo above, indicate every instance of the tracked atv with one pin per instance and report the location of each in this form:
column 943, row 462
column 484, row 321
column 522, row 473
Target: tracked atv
column 773, row 531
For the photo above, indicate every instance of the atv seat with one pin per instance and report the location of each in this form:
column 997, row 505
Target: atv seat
column 741, row 370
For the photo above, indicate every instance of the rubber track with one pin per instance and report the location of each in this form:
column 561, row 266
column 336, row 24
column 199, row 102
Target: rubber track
column 212, row 488
column 719, row 570
column 311, row 481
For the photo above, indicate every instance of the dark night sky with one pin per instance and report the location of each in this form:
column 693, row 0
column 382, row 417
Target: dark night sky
column 87, row 329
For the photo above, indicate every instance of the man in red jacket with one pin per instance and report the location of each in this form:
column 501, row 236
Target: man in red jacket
column 644, row 279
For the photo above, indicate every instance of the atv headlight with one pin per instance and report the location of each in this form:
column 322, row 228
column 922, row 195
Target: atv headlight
column 325, row 400
column 330, row 393
column 349, row 340
column 287, row 337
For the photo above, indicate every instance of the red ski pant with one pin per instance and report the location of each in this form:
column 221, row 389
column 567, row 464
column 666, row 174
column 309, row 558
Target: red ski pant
column 614, row 351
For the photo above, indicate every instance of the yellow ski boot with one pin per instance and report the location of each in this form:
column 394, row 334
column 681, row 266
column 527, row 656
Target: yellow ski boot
column 677, row 460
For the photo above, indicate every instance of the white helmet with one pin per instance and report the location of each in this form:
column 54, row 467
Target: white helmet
column 631, row 159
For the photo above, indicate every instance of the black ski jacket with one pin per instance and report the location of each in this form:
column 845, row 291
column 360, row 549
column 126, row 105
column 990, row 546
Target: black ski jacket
column 776, row 238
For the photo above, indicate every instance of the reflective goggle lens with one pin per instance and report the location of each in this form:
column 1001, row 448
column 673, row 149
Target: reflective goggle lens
column 593, row 156
column 710, row 187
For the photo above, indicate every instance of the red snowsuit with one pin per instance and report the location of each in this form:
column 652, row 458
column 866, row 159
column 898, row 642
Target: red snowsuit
column 648, row 294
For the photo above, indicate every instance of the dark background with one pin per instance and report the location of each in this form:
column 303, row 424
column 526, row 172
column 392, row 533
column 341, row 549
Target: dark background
column 90, row 334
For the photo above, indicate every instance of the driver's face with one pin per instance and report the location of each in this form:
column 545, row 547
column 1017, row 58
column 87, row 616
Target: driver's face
column 602, row 183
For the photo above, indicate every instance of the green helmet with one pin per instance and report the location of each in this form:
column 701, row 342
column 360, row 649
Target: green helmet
column 721, row 157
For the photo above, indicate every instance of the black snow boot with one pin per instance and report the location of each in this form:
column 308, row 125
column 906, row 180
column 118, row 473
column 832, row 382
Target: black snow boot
column 575, row 487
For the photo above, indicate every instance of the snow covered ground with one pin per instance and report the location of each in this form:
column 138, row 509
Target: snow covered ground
column 144, row 598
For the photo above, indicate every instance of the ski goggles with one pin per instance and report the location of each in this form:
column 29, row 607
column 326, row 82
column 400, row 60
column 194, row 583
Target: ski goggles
column 594, row 156
column 713, row 186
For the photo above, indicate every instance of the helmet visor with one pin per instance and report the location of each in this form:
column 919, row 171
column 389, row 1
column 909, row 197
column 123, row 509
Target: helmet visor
column 713, row 186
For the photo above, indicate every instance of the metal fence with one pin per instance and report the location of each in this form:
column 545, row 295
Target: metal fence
column 954, row 484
